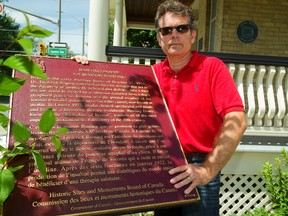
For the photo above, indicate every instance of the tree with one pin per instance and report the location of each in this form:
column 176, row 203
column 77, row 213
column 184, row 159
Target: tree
column 142, row 38
column 110, row 33
column 136, row 37
column 9, row 29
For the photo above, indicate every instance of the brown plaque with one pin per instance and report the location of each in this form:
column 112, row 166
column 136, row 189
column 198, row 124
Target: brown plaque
column 119, row 149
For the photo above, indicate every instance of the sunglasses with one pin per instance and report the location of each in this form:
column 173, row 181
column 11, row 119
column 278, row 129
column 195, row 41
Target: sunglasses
column 180, row 29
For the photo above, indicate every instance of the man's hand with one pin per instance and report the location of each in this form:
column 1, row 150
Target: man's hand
column 80, row 59
column 191, row 175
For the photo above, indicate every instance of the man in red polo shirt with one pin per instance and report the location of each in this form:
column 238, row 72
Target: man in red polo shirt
column 204, row 104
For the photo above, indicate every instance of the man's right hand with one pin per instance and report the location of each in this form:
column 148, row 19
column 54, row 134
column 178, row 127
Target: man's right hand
column 80, row 59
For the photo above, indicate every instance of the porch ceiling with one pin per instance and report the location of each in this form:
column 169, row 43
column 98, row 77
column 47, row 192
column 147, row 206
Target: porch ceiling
column 143, row 11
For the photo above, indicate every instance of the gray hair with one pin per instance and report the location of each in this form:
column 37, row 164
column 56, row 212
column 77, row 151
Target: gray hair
column 174, row 7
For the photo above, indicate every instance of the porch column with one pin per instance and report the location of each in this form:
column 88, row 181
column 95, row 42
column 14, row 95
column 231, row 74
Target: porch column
column 124, row 27
column 98, row 29
column 118, row 24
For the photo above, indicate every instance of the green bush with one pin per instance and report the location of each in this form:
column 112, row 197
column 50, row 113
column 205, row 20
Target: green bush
column 276, row 179
column 276, row 184
column 258, row 212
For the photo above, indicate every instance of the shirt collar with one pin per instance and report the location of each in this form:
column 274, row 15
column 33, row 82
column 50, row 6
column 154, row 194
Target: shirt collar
column 191, row 63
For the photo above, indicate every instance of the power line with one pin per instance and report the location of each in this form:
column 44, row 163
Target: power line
column 40, row 17
column 58, row 23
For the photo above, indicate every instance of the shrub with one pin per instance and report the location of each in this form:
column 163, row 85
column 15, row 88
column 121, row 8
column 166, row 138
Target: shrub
column 276, row 179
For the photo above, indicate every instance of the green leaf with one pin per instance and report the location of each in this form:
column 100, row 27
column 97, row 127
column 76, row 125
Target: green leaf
column 6, row 184
column 24, row 65
column 4, row 155
column 23, row 32
column 61, row 131
column 14, row 169
column 27, row 45
column 20, row 132
column 9, row 84
column 39, row 32
column 4, row 108
column 4, row 120
column 1, row 61
column 39, row 163
column 47, row 121
column 3, row 159
column 27, row 19
column 19, row 149
column 33, row 30
column 2, row 148
column 58, row 146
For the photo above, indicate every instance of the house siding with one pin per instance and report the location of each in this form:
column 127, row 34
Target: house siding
column 270, row 17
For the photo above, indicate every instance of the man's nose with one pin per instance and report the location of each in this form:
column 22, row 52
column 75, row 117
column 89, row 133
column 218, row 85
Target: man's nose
column 174, row 33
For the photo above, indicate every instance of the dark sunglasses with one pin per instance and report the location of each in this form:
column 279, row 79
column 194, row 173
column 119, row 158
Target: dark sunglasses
column 180, row 29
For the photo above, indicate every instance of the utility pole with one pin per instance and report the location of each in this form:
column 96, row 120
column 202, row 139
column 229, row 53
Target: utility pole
column 83, row 29
column 83, row 37
column 59, row 20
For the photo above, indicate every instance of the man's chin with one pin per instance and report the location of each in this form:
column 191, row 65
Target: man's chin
column 172, row 51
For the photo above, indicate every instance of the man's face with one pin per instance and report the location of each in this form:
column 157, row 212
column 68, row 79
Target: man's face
column 176, row 43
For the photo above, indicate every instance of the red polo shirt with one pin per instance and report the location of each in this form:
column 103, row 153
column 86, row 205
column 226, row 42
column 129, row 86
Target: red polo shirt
column 198, row 97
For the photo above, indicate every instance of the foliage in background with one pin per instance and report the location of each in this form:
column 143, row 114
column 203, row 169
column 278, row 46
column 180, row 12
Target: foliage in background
column 110, row 33
column 25, row 143
column 8, row 28
column 276, row 184
column 142, row 38
column 276, row 179
column 258, row 212
column 136, row 37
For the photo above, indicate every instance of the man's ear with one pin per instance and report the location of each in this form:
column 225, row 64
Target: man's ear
column 158, row 39
column 193, row 38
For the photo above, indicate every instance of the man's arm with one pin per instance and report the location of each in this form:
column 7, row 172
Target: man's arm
column 234, row 125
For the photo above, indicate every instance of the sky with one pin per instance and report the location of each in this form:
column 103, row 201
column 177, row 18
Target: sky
column 73, row 13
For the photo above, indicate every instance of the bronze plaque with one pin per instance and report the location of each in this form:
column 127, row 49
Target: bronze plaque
column 119, row 149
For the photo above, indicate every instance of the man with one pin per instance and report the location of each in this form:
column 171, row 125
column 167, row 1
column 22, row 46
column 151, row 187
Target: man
column 204, row 104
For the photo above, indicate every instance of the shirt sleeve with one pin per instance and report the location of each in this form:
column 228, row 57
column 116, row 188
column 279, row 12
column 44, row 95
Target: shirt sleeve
column 225, row 95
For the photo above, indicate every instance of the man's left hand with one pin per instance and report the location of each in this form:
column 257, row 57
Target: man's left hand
column 191, row 175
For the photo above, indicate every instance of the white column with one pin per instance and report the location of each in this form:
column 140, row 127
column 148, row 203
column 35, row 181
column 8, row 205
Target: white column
column 98, row 29
column 124, row 27
column 117, row 37
column 124, row 35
